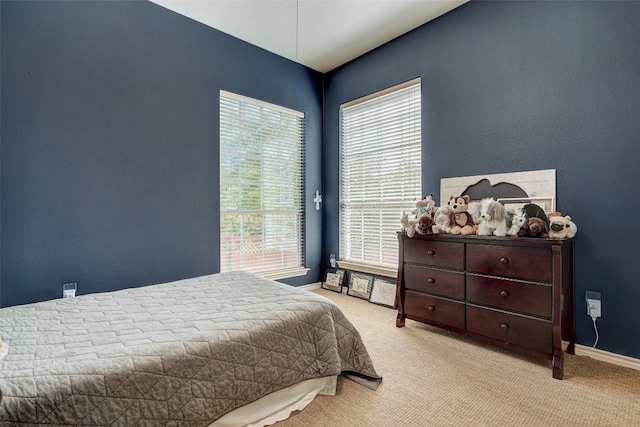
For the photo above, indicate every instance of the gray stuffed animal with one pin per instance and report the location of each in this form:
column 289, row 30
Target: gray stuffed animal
column 441, row 220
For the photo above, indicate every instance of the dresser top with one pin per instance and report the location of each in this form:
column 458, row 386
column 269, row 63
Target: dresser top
column 491, row 240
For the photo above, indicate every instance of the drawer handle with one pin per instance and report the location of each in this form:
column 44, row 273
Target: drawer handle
column 431, row 308
column 504, row 260
column 432, row 253
column 504, row 326
column 504, row 293
column 431, row 280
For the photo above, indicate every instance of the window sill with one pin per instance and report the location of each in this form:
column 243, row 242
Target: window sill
column 368, row 268
column 284, row 274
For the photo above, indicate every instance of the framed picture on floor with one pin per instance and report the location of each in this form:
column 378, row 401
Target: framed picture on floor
column 383, row 292
column 360, row 285
column 333, row 280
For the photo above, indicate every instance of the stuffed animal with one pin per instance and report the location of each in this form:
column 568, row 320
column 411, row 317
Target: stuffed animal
column 532, row 210
column 425, row 206
column 509, row 219
column 534, row 227
column 461, row 220
column 561, row 227
column 421, row 226
column 516, row 224
column 494, row 218
column 404, row 220
column 474, row 209
column 441, row 220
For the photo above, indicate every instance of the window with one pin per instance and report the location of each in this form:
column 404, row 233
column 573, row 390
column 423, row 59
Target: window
column 380, row 172
column 261, row 177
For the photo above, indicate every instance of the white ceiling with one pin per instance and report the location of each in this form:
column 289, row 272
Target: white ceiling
column 321, row 34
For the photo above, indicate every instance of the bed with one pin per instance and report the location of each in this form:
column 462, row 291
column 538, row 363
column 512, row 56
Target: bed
column 183, row 353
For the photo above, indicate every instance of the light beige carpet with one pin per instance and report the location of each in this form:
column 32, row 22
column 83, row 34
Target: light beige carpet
column 435, row 378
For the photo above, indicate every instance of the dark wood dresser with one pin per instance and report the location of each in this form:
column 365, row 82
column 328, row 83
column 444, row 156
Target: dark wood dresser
column 513, row 292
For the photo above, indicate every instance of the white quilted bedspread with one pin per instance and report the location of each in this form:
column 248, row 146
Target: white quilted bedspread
column 176, row 354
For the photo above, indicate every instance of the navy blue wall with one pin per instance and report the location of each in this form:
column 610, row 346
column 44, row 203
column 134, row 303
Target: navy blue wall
column 110, row 144
column 518, row 86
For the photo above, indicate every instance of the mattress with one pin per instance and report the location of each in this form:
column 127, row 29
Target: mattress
column 182, row 353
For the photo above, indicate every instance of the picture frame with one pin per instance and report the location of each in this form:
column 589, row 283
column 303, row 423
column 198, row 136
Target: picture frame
column 548, row 204
column 334, row 279
column 360, row 285
column 383, row 292
column 522, row 185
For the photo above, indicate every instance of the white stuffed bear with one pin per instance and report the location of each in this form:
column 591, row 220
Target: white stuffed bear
column 442, row 220
column 494, row 218
column 516, row 224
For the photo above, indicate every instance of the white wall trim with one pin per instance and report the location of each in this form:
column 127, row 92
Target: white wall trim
column 284, row 274
column 260, row 103
column 367, row 268
column 310, row 286
column 605, row 356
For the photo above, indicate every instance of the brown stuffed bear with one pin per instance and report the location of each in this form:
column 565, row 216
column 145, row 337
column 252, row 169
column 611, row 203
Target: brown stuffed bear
column 425, row 206
column 420, row 226
column 461, row 220
column 534, row 227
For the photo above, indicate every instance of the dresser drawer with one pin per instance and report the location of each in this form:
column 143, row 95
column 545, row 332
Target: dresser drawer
column 510, row 261
column 510, row 295
column 439, row 254
column 524, row 331
column 446, row 283
column 434, row 309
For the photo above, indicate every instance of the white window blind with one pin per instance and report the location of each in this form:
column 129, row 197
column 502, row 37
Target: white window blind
column 261, row 177
column 380, row 172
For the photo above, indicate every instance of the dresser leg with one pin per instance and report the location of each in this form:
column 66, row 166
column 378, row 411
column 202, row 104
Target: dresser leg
column 400, row 320
column 558, row 366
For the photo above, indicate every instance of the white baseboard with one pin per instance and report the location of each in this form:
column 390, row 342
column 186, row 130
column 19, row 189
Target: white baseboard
column 605, row 356
column 366, row 268
column 311, row 286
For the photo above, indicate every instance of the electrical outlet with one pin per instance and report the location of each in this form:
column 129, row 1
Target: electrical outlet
column 594, row 308
column 69, row 290
column 594, row 304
